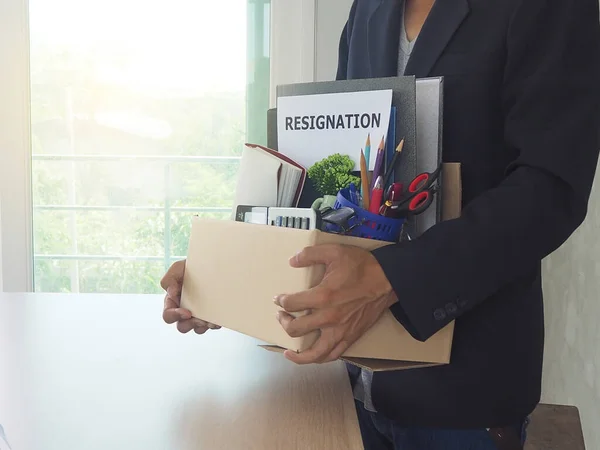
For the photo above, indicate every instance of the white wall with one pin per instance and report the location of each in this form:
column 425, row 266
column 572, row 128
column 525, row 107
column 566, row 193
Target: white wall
column 305, row 37
column 292, row 42
column 330, row 20
column 572, row 302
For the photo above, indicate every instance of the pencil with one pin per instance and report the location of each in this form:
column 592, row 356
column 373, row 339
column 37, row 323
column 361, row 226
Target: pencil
column 390, row 170
column 368, row 157
column 364, row 181
column 378, row 163
column 368, row 151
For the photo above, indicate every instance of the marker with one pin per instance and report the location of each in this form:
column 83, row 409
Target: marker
column 376, row 196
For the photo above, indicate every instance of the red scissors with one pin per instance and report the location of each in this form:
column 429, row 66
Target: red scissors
column 419, row 196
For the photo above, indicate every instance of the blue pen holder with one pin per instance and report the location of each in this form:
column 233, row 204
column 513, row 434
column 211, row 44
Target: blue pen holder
column 370, row 226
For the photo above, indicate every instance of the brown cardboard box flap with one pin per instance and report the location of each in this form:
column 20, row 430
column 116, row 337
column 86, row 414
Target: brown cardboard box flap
column 235, row 269
column 376, row 365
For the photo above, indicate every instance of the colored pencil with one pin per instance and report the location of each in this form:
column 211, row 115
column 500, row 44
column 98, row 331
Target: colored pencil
column 390, row 170
column 378, row 162
column 364, row 180
column 368, row 151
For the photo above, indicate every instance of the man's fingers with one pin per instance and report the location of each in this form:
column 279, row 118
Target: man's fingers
column 174, row 291
column 337, row 352
column 172, row 312
column 185, row 326
column 319, row 297
column 176, row 315
column 174, row 275
column 300, row 326
column 170, row 302
column 317, row 254
column 316, row 354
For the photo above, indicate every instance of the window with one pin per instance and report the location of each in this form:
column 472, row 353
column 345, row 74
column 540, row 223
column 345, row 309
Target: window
column 139, row 111
column 131, row 64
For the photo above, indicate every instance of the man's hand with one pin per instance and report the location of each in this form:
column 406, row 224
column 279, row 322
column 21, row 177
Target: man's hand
column 348, row 301
column 172, row 282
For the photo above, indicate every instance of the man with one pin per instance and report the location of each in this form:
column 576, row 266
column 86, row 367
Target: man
column 521, row 115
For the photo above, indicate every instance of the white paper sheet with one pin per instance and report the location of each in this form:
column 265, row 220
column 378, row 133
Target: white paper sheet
column 312, row 127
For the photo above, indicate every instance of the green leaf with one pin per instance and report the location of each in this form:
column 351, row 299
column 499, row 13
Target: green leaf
column 332, row 174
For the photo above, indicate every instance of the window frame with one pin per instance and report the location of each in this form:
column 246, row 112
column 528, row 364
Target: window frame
column 16, row 263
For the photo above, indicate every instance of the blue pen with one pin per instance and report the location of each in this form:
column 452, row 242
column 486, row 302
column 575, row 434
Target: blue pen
column 368, row 152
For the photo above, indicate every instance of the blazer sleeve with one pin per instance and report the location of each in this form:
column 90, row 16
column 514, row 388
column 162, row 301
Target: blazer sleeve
column 551, row 102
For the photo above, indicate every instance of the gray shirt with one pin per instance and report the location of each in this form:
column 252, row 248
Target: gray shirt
column 362, row 388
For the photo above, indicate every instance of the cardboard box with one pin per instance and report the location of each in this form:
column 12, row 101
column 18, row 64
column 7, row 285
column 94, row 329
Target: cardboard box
column 234, row 270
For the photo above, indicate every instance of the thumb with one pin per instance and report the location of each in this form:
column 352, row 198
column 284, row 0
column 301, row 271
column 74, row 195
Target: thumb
column 317, row 254
column 174, row 276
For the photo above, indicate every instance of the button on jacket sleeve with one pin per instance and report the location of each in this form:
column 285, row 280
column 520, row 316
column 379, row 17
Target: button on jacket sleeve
column 551, row 108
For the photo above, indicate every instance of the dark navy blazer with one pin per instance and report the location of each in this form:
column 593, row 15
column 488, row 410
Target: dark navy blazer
column 521, row 114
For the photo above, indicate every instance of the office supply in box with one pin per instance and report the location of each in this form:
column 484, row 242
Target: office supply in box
column 234, row 269
column 365, row 192
column 417, row 109
column 390, row 143
column 378, row 167
column 252, row 214
column 419, row 195
column 313, row 125
column 268, row 178
column 403, row 99
column 366, row 224
column 301, row 218
column 430, row 104
column 367, row 150
column 376, row 195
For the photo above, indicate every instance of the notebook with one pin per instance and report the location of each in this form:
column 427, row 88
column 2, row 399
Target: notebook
column 268, row 178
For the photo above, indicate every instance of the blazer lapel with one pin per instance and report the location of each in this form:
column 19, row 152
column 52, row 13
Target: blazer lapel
column 444, row 19
column 383, row 33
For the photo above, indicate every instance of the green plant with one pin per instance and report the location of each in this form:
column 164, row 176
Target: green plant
column 332, row 174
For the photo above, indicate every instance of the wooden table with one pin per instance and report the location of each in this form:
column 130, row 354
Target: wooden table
column 95, row 372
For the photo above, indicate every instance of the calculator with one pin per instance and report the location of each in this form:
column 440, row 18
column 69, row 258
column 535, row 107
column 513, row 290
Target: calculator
column 299, row 218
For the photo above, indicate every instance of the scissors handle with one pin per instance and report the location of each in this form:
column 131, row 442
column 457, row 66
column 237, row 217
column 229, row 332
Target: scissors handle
column 423, row 181
column 414, row 205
